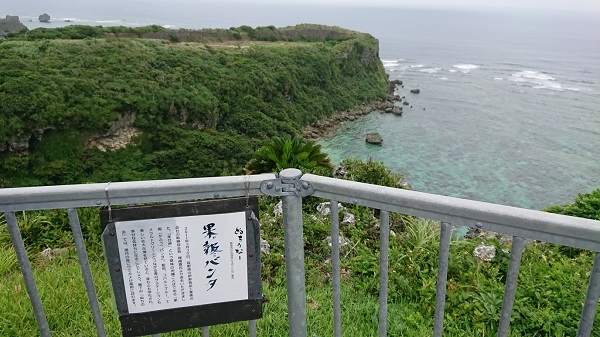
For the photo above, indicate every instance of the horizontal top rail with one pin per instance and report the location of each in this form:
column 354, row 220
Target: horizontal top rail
column 537, row 225
column 135, row 192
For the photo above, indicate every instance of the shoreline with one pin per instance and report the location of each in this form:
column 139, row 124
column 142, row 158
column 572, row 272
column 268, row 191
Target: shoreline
column 328, row 127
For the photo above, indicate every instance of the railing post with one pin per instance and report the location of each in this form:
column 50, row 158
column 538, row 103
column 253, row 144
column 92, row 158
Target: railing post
column 294, row 255
column 516, row 252
column 335, row 268
column 84, row 263
column 384, row 241
column 34, row 296
column 440, row 295
column 591, row 301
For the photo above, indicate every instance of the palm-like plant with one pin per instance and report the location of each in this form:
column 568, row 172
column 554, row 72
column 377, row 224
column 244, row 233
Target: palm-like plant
column 286, row 152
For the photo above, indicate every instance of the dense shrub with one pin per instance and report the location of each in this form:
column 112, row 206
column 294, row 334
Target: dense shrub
column 586, row 205
column 58, row 94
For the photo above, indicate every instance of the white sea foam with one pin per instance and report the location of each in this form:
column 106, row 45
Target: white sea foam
column 431, row 70
column 452, row 70
column 417, row 66
column 498, row 78
column 538, row 80
column 71, row 20
column 390, row 63
column 444, row 78
column 465, row 68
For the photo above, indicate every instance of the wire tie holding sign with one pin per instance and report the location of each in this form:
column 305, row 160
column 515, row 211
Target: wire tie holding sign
column 108, row 202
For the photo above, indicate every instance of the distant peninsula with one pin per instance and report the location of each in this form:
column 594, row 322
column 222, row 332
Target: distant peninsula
column 88, row 104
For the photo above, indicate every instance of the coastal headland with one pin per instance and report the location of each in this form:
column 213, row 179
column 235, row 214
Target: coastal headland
column 86, row 104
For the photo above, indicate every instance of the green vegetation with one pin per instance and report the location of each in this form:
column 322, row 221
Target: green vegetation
column 189, row 109
column 285, row 152
column 298, row 33
column 586, row 205
column 199, row 103
column 549, row 296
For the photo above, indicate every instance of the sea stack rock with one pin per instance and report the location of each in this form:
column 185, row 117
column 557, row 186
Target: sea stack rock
column 44, row 18
column 415, row 91
column 10, row 25
column 374, row 138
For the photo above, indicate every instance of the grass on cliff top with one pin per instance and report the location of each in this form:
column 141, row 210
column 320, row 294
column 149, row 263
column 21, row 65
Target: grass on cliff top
column 549, row 296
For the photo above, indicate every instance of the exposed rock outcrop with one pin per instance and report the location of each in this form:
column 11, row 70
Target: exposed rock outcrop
column 19, row 146
column 374, row 138
column 10, row 24
column 349, row 220
column 265, row 247
column 415, row 91
column 44, row 18
column 278, row 210
column 484, row 253
column 340, row 172
column 327, row 127
column 120, row 134
column 341, row 240
column 325, row 208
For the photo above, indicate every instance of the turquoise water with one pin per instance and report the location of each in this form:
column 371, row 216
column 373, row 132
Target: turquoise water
column 511, row 99
column 506, row 117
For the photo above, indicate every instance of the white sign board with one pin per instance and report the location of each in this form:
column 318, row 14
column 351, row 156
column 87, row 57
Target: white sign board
column 183, row 261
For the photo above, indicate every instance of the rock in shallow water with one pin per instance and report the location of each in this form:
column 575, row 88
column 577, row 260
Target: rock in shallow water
column 44, row 18
column 374, row 138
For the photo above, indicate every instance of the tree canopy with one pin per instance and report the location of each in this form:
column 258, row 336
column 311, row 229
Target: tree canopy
column 199, row 108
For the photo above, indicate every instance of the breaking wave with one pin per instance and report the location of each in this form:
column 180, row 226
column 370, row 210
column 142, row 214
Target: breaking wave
column 465, row 68
column 538, row 80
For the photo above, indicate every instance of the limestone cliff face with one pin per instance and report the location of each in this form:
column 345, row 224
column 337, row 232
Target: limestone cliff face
column 10, row 24
column 120, row 135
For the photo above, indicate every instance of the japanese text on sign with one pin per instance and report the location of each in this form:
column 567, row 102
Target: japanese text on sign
column 178, row 262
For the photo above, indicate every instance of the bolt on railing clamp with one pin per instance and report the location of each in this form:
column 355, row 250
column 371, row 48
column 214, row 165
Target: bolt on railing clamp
column 288, row 183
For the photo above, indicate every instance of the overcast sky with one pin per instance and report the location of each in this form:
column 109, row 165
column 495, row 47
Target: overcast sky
column 578, row 5
column 107, row 8
column 570, row 5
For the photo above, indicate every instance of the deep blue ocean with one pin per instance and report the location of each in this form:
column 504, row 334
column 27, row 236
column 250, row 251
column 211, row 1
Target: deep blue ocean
column 509, row 108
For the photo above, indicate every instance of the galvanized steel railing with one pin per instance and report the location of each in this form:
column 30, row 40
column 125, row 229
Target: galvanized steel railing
column 517, row 222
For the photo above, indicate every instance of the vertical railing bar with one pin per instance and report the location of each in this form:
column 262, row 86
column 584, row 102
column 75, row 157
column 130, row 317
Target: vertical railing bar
column 384, row 242
column 591, row 301
column 84, row 263
column 512, row 276
column 32, row 291
column 205, row 332
column 440, row 295
column 335, row 268
column 294, row 264
column 252, row 328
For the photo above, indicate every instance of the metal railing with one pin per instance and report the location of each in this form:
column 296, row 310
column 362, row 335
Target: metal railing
column 291, row 186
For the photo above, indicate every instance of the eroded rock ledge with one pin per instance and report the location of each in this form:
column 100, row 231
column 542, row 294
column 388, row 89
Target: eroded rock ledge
column 121, row 134
column 326, row 128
